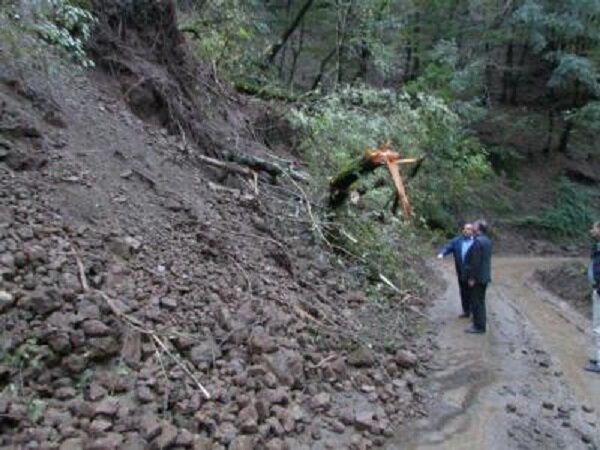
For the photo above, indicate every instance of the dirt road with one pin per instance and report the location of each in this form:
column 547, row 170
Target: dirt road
column 518, row 386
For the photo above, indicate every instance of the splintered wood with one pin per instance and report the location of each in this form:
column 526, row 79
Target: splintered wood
column 367, row 163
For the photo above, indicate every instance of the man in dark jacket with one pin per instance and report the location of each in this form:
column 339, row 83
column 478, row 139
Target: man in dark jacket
column 594, row 277
column 460, row 247
column 478, row 271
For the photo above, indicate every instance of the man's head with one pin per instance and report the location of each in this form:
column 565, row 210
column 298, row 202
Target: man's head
column 480, row 226
column 595, row 231
column 467, row 230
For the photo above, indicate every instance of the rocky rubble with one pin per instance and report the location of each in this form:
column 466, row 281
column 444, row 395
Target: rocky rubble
column 99, row 270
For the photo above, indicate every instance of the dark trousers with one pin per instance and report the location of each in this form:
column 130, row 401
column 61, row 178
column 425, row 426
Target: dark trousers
column 465, row 296
column 478, row 305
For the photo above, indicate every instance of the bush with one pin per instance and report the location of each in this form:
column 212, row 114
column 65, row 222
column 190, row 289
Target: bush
column 28, row 26
column 341, row 126
column 570, row 217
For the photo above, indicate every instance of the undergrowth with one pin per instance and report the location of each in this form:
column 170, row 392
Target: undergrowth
column 31, row 32
column 571, row 215
column 341, row 126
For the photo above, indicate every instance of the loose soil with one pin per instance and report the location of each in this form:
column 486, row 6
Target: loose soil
column 132, row 277
column 569, row 282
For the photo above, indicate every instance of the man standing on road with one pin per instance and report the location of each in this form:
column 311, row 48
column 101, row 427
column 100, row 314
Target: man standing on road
column 478, row 274
column 460, row 247
column 594, row 276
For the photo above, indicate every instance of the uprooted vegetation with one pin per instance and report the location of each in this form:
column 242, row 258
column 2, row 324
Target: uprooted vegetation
column 150, row 300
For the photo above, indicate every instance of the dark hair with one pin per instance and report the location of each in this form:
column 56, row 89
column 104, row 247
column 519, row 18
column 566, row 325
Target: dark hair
column 481, row 225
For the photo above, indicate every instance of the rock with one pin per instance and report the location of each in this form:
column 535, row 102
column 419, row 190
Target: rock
column 103, row 347
column 277, row 396
column 285, row 418
column 356, row 299
column 363, row 356
column 243, row 443
column 275, row 444
column 144, row 394
column 206, row 352
column 224, row 318
column 547, row 405
column 112, row 441
column 95, row 328
column 6, row 300
column 321, row 401
column 149, row 426
column 166, row 439
column 226, row 433
column 107, row 407
column 511, row 407
column 44, row 301
column 124, row 247
column 248, row 419
column 168, row 303
column 337, row 426
column 71, row 444
column 364, row 419
column 185, row 438
column 99, row 426
column 406, row 358
column 59, row 342
column 65, row 393
column 261, row 342
column 587, row 408
column 35, row 253
column 202, row 443
column 96, row 392
column 287, row 365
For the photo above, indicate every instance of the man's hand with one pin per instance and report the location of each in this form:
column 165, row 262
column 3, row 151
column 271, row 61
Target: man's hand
column 471, row 282
column 440, row 256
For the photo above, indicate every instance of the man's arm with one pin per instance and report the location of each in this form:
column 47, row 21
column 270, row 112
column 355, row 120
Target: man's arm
column 448, row 248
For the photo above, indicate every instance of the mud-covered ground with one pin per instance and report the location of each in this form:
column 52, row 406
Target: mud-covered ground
column 521, row 385
column 569, row 282
column 150, row 301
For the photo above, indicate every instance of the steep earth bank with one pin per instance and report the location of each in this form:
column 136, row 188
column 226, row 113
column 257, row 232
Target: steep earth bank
column 150, row 301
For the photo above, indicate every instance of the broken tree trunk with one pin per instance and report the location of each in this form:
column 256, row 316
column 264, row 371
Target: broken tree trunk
column 371, row 160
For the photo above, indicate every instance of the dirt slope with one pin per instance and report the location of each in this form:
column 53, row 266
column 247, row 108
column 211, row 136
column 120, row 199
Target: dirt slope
column 518, row 386
column 131, row 275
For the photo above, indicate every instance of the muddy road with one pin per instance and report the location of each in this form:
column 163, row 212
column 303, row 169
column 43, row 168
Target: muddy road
column 520, row 386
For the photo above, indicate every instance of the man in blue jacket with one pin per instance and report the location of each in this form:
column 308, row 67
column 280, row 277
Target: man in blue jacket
column 478, row 271
column 459, row 247
column 594, row 277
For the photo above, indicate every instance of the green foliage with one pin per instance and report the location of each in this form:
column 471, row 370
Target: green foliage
column 342, row 125
column 226, row 34
column 27, row 32
column 570, row 217
column 66, row 26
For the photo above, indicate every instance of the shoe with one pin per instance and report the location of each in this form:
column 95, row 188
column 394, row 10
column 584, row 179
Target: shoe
column 473, row 330
column 592, row 367
column 464, row 316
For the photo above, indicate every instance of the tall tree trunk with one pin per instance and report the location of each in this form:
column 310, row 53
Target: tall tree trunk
column 548, row 147
column 295, row 54
column 416, row 67
column 342, row 21
column 288, row 32
column 363, row 64
column 507, row 73
column 517, row 77
column 322, row 67
column 565, row 135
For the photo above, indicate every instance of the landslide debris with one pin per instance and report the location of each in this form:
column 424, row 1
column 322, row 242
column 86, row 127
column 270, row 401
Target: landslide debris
column 132, row 276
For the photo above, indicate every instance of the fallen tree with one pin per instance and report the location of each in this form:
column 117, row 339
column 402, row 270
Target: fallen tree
column 339, row 188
